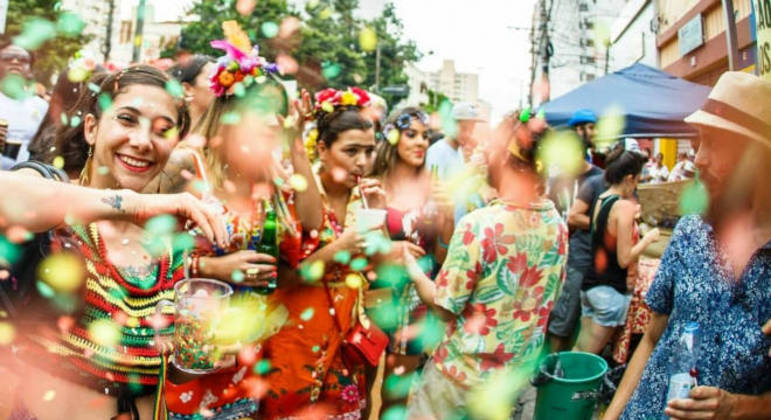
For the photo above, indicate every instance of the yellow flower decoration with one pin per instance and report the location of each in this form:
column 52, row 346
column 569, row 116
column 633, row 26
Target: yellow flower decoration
column 310, row 144
column 226, row 78
column 327, row 107
column 348, row 98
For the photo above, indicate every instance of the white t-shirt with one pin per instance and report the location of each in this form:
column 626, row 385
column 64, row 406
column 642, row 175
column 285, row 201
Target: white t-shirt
column 447, row 160
column 23, row 118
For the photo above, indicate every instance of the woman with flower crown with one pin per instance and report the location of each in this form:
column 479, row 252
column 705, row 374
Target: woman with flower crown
column 311, row 373
column 246, row 124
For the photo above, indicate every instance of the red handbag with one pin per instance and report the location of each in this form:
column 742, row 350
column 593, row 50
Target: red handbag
column 362, row 343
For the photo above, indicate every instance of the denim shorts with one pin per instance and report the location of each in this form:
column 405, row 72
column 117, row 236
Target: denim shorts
column 605, row 305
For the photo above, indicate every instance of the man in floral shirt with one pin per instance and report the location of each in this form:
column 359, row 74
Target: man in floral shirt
column 498, row 283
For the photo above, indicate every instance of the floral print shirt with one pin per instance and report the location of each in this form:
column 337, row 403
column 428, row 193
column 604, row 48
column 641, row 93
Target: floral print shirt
column 501, row 276
column 696, row 283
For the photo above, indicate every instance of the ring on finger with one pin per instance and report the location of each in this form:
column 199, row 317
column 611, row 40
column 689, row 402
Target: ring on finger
column 252, row 273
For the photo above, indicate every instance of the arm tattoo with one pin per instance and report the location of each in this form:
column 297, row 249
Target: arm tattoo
column 115, row 202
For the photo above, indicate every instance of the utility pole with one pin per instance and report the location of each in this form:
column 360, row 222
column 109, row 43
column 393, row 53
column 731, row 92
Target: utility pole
column 732, row 45
column 108, row 42
column 377, row 68
column 140, row 28
column 545, row 49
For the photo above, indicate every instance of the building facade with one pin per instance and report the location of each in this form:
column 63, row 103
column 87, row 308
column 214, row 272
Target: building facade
column 457, row 86
column 569, row 39
column 633, row 35
column 692, row 42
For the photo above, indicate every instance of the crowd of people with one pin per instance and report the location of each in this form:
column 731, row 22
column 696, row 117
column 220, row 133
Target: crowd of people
column 392, row 263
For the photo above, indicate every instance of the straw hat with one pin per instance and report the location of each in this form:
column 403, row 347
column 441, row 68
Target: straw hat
column 740, row 103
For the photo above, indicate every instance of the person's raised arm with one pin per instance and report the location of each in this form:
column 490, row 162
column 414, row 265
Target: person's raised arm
column 307, row 201
column 37, row 204
column 636, row 366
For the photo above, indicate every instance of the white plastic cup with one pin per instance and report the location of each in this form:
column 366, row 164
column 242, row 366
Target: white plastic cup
column 367, row 219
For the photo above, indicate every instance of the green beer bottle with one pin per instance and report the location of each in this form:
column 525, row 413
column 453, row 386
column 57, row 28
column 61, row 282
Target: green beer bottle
column 269, row 245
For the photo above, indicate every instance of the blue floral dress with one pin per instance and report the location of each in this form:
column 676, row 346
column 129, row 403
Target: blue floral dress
column 695, row 283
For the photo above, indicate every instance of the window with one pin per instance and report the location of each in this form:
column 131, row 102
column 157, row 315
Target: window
column 588, row 24
column 583, row 7
column 587, row 77
column 585, row 59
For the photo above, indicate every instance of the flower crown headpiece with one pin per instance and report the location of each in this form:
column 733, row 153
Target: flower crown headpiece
column 392, row 130
column 327, row 101
column 82, row 65
column 241, row 65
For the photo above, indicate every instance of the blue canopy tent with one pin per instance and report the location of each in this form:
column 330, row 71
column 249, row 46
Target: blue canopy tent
column 653, row 102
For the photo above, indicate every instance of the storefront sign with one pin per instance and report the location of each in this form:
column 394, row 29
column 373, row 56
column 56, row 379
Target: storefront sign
column 691, row 35
column 763, row 32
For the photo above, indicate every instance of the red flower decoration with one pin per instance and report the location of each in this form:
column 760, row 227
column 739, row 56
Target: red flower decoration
column 440, row 355
column 350, row 394
column 327, row 94
column 517, row 263
column 468, row 237
column 529, row 277
column 479, row 319
column 442, row 280
column 362, row 94
column 525, row 307
column 495, row 242
column 495, row 360
column 543, row 314
column 454, row 373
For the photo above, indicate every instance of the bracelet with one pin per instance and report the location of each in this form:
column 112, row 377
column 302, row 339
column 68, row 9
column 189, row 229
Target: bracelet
column 194, row 265
column 442, row 244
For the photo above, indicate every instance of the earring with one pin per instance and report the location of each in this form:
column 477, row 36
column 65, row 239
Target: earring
column 86, row 172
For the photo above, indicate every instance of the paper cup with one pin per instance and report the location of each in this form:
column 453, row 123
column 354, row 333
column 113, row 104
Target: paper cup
column 367, row 219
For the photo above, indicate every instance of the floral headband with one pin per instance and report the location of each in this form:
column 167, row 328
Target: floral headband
column 391, row 130
column 241, row 65
column 329, row 99
column 81, row 67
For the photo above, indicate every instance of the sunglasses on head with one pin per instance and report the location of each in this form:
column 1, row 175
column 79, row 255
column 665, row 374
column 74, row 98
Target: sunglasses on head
column 9, row 57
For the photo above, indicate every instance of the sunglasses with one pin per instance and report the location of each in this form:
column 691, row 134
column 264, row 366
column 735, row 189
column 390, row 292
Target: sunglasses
column 10, row 57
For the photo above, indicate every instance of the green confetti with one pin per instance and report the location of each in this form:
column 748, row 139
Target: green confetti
column 34, row 33
column 64, row 118
column 307, row 314
column 359, row 264
column 694, row 198
column 269, row 29
column 94, row 87
column 105, row 101
column 183, row 242
column 315, row 349
column 397, row 412
column 164, row 224
column 239, row 90
column 262, row 367
column 237, row 276
column 398, row 386
column 342, row 257
column 75, row 121
column 330, row 70
column 70, row 24
column 230, row 118
column 174, row 88
column 103, row 170
column 9, row 252
column 449, row 126
column 45, row 290
column 14, row 86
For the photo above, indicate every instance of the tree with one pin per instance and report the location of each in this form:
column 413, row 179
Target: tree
column 53, row 55
column 326, row 46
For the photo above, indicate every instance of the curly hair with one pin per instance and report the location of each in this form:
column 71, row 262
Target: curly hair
column 387, row 153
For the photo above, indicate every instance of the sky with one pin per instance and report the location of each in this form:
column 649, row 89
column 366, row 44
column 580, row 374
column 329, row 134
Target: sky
column 481, row 36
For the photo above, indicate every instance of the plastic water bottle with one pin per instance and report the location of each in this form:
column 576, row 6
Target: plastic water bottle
column 683, row 372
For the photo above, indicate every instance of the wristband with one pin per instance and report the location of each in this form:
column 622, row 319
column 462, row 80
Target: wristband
column 442, row 244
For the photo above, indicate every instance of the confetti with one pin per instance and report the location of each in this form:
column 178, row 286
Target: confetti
column 393, row 136
column 287, row 64
column 609, row 127
column 262, row 367
column 9, row 252
column 49, row 395
column 245, row 7
column 342, row 257
column 105, row 101
column 63, row 272
column 307, row 314
column 269, row 29
column 75, row 121
column 7, row 333
column 34, row 33
column 164, row 224
column 174, row 88
column 230, row 118
column 330, row 71
column 694, row 198
column 312, row 272
column 104, row 332
column 368, row 39
column 14, row 86
column 561, row 152
column 70, row 24
column 298, row 182
column 58, row 162
column 359, row 264
column 353, row 280
column 237, row 276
